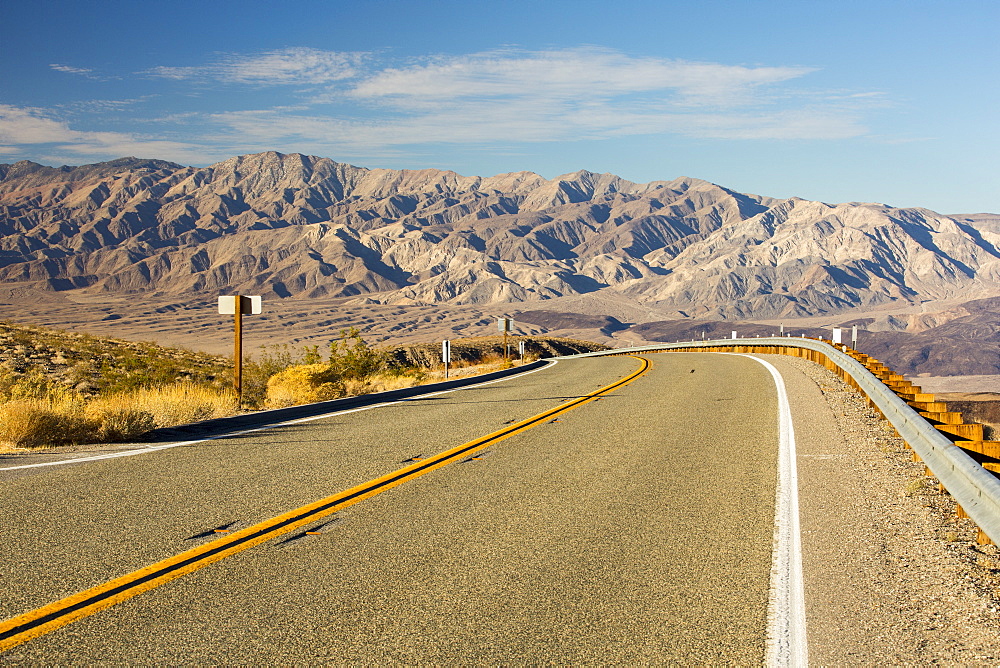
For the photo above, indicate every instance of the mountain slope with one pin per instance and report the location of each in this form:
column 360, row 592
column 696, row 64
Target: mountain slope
column 302, row 226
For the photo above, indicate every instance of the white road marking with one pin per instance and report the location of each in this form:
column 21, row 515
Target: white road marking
column 167, row 446
column 786, row 637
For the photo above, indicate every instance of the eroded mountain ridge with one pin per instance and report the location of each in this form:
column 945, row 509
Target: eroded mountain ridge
column 302, row 226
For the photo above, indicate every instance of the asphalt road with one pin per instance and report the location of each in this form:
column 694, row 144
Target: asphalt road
column 636, row 528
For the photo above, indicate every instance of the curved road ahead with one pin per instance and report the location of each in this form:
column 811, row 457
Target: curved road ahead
column 634, row 528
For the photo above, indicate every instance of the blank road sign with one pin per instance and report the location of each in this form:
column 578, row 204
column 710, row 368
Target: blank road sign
column 249, row 305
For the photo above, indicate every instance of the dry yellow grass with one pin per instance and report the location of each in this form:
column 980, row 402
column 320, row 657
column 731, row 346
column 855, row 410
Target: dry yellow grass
column 37, row 412
column 66, row 419
column 309, row 383
column 303, row 384
column 380, row 383
column 33, row 423
column 127, row 415
column 182, row 403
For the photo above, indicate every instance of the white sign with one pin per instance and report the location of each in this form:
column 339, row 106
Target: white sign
column 446, row 351
column 734, row 333
column 837, row 335
column 503, row 324
column 250, row 305
column 520, row 348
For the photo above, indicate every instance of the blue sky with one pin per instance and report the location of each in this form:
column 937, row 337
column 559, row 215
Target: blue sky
column 893, row 102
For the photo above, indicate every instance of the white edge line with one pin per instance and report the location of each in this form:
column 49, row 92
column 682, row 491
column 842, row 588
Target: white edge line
column 786, row 637
column 167, row 446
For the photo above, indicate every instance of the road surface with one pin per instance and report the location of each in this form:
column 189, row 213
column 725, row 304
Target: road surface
column 637, row 527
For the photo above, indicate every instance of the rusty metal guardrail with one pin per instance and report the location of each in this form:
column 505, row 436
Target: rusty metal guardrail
column 975, row 489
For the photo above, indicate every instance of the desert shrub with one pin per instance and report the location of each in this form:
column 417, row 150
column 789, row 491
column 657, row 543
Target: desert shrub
column 351, row 358
column 383, row 382
column 128, row 415
column 354, row 368
column 269, row 361
column 33, row 423
column 36, row 385
column 8, row 380
column 118, row 418
column 65, row 418
column 304, row 384
column 125, row 424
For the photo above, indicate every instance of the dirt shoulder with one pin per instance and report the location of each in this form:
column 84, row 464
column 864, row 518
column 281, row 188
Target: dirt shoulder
column 892, row 574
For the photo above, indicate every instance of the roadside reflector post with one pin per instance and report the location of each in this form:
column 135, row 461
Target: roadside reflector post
column 446, row 356
column 734, row 333
column 520, row 349
column 503, row 324
column 238, row 306
column 854, row 336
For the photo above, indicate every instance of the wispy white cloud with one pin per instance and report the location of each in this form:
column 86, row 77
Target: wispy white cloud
column 105, row 106
column 569, row 94
column 349, row 104
column 559, row 95
column 30, row 127
column 784, row 124
column 298, row 65
column 523, row 122
column 71, row 70
column 581, row 73
column 84, row 72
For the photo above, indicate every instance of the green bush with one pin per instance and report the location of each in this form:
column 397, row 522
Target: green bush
column 351, row 358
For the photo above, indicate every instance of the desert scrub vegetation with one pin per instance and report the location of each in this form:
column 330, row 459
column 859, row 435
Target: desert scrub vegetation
column 36, row 411
column 353, row 367
column 475, row 351
column 91, row 364
column 60, row 388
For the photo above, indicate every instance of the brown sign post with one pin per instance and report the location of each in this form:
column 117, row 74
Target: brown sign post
column 238, row 306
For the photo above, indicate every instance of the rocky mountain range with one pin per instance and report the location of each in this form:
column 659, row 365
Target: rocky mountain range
column 419, row 255
column 292, row 226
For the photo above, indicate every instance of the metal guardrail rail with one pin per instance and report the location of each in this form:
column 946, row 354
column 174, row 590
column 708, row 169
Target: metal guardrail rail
column 974, row 488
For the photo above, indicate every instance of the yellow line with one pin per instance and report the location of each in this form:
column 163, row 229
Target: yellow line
column 35, row 623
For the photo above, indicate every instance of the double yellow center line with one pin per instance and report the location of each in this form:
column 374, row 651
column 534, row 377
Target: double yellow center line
column 38, row 622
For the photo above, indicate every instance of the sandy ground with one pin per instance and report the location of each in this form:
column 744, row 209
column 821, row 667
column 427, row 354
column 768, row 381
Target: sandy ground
column 963, row 384
column 197, row 325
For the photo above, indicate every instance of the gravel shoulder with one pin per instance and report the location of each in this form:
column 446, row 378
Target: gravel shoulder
column 892, row 575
